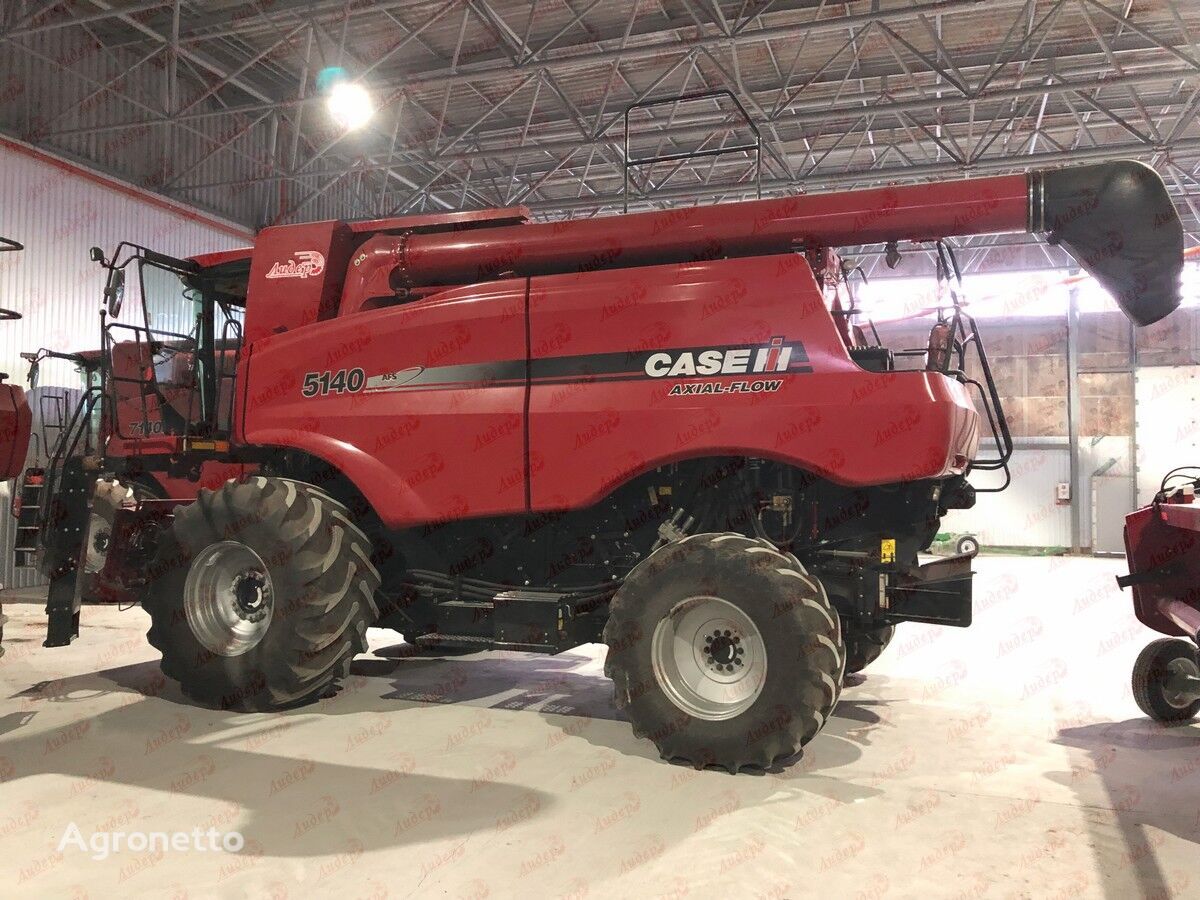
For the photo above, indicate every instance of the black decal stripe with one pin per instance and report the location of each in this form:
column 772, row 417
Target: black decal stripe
column 504, row 370
column 448, row 386
column 583, row 368
column 589, row 364
column 587, row 377
column 674, row 379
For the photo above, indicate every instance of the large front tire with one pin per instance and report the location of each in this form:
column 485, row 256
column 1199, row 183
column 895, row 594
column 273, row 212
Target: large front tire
column 724, row 652
column 262, row 594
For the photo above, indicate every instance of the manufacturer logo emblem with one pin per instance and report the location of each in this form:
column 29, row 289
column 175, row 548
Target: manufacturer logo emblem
column 306, row 263
column 775, row 356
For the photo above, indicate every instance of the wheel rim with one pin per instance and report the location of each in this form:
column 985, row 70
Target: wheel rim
column 228, row 598
column 99, row 536
column 709, row 658
column 100, row 523
column 1180, row 671
column 969, row 546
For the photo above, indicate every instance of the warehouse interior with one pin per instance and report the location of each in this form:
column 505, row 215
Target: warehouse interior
column 1009, row 758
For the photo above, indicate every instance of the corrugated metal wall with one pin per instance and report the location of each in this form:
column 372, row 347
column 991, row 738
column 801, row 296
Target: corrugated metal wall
column 57, row 289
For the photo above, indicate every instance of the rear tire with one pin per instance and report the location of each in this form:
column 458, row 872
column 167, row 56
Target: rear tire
column 864, row 647
column 674, row 632
column 262, row 594
column 1151, row 673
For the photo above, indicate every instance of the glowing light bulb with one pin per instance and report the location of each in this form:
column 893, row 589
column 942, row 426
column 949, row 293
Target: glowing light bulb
column 350, row 105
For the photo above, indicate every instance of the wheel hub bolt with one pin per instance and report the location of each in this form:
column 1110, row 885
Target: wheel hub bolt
column 722, row 650
column 250, row 595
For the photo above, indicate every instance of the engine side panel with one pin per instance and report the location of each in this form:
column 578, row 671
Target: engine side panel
column 634, row 368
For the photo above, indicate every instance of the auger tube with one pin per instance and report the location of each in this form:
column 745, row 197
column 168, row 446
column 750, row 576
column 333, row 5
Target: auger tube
column 1115, row 218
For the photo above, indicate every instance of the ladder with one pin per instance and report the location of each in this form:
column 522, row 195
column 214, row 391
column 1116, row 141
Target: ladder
column 28, row 510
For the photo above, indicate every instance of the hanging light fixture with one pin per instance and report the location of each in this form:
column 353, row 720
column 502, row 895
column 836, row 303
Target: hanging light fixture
column 349, row 103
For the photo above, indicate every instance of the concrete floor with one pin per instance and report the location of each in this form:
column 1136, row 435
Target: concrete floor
column 1006, row 760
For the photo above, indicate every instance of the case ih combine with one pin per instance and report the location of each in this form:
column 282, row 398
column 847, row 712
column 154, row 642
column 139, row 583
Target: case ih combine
column 660, row 431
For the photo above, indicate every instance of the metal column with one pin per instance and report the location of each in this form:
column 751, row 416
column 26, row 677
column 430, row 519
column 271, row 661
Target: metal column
column 1074, row 415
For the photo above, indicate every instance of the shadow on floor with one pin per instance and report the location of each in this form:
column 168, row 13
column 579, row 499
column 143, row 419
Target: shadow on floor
column 284, row 805
column 1149, row 775
column 570, row 693
column 289, row 806
column 560, row 684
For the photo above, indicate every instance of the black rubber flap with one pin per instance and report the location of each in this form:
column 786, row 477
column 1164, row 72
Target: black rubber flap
column 1119, row 223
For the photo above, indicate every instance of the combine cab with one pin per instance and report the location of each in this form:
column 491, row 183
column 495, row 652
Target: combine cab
column 117, row 448
column 665, row 431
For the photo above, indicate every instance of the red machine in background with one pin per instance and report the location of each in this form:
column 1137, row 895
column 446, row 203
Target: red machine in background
column 1162, row 545
column 15, row 418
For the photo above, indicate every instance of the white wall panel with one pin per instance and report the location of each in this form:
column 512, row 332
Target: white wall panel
column 1106, row 462
column 1026, row 514
column 1167, row 422
column 58, row 214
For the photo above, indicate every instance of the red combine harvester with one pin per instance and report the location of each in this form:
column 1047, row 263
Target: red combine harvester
column 1162, row 545
column 663, row 431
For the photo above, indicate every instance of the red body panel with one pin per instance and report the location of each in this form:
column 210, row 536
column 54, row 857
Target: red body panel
column 465, row 219
column 440, row 428
column 137, row 411
column 1166, row 535
column 453, row 447
column 220, row 257
column 16, row 421
column 296, row 276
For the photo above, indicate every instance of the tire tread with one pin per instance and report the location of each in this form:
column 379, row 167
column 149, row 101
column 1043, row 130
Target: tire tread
column 326, row 554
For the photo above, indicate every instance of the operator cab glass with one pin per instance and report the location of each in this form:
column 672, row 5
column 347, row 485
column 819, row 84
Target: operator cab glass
column 172, row 371
column 167, row 307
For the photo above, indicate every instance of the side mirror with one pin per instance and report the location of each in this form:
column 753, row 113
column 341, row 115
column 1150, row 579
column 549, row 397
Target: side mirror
column 96, row 255
column 114, row 291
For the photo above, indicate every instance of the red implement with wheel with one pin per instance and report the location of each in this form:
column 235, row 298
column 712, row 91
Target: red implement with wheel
column 1162, row 545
